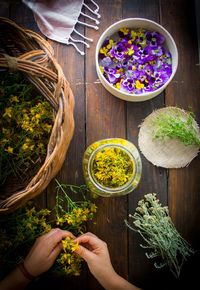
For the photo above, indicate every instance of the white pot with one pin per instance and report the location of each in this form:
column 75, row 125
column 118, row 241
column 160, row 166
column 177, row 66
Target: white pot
column 135, row 23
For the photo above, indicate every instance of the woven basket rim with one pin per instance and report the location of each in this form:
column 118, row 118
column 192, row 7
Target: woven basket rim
column 44, row 72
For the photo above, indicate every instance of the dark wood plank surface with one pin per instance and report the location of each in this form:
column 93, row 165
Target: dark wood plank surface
column 100, row 115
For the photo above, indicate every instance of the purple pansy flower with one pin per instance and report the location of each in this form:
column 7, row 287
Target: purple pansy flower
column 127, row 85
column 111, row 75
column 137, row 62
column 132, row 74
column 154, row 38
column 106, row 61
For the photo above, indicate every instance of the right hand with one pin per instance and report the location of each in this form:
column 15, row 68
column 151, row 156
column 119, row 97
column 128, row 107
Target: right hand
column 95, row 252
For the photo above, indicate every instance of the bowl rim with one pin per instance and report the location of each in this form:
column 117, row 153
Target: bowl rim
column 146, row 95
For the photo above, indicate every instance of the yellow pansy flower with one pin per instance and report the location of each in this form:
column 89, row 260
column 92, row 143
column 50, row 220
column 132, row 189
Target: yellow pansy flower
column 139, row 85
column 124, row 30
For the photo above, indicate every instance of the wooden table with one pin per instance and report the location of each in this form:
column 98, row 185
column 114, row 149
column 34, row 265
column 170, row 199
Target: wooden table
column 100, row 115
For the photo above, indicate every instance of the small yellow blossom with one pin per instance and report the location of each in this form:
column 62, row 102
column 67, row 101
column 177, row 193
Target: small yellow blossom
column 93, row 207
column 59, row 220
column 38, row 116
column 47, row 127
column 110, row 44
column 14, row 99
column 133, row 35
column 118, row 85
column 9, row 149
column 130, row 51
column 104, row 50
column 140, row 33
column 8, row 112
column 124, row 30
column 25, row 146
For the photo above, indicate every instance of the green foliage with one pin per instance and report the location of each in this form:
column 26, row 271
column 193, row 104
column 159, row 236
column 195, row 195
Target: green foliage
column 162, row 240
column 25, row 126
column 19, row 230
column 174, row 126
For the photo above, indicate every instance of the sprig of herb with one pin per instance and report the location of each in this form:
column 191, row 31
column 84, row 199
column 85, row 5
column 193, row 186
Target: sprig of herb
column 153, row 223
column 174, row 126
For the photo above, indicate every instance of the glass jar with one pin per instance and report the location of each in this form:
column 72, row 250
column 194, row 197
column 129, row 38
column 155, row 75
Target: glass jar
column 88, row 162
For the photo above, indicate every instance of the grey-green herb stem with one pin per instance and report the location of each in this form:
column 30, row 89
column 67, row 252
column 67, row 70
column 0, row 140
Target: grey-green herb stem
column 152, row 221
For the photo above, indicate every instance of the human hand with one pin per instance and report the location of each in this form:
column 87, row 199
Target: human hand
column 95, row 252
column 44, row 252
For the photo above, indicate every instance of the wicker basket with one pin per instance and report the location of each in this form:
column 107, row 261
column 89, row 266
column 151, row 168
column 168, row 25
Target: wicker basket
column 25, row 51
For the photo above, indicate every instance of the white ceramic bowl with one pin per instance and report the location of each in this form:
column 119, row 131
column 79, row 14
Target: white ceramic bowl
column 136, row 23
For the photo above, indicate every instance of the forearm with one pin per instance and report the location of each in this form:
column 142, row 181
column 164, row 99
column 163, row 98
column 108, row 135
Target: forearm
column 116, row 282
column 14, row 281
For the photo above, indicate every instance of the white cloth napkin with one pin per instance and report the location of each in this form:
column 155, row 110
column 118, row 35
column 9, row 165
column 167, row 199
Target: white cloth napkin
column 57, row 19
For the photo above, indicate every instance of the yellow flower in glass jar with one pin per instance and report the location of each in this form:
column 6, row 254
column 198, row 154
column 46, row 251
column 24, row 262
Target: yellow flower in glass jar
column 113, row 167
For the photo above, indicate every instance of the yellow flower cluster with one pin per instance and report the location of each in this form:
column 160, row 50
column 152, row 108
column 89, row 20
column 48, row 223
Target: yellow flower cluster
column 78, row 215
column 32, row 224
column 28, row 127
column 25, row 126
column 112, row 167
column 71, row 263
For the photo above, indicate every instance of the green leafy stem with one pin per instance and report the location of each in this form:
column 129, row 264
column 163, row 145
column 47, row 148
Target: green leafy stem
column 175, row 126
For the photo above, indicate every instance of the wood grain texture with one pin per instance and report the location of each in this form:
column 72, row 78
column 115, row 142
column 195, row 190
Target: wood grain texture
column 153, row 179
column 73, row 65
column 184, row 91
column 100, row 115
column 105, row 118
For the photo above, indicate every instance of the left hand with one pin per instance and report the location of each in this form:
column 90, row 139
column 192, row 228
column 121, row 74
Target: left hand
column 44, row 252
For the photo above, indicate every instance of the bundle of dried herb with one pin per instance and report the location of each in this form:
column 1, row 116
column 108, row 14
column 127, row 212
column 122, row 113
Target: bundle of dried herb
column 153, row 223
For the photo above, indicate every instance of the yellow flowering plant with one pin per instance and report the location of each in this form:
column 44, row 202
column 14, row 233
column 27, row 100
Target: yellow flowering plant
column 25, row 125
column 19, row 230
column 112, row 167
column 71, row 263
